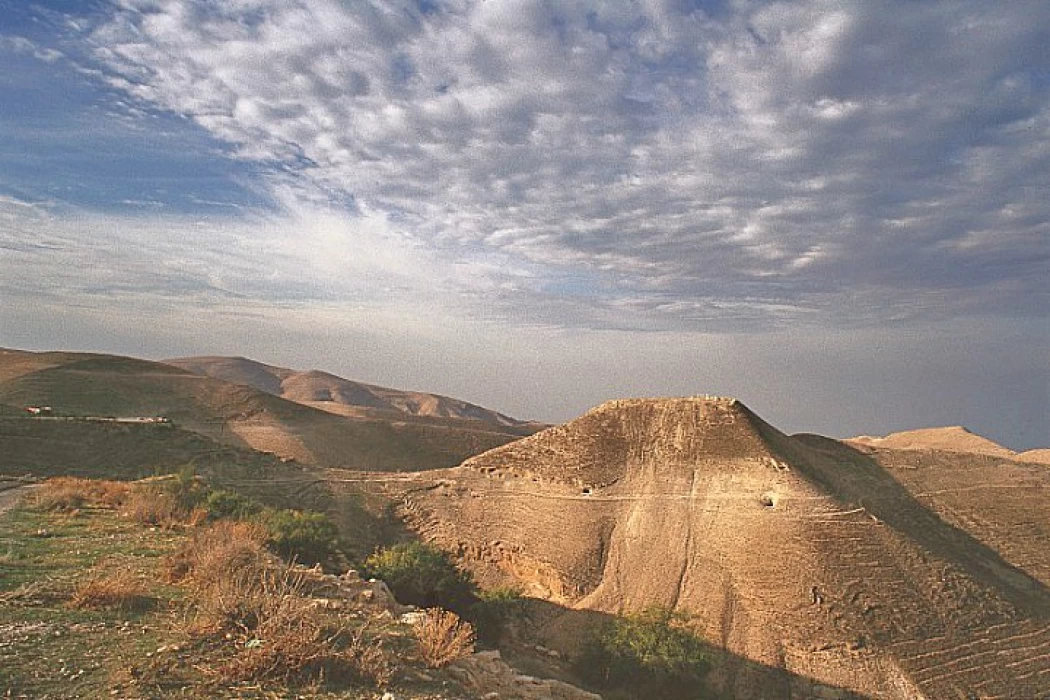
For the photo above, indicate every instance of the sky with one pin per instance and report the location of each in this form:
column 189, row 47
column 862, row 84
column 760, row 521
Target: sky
column 838, row 212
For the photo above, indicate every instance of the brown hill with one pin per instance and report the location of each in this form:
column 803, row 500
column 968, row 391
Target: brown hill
column 1040, row 456
column 236, row 370
column 799, row 554
column 315, row 388
column 85, row 385
column 951, row 439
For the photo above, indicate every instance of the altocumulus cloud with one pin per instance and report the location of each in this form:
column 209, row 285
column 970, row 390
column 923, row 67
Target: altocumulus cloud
column 655, row 165
column 835, row 210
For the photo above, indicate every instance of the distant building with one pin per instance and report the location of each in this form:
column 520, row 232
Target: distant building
column 39, row 410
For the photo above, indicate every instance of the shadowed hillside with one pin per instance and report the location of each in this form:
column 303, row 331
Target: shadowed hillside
column 800, row 553
column 90, row 449
column 82, row 385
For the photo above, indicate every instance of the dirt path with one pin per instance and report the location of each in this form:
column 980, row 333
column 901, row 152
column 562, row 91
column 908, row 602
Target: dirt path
column 11, row 496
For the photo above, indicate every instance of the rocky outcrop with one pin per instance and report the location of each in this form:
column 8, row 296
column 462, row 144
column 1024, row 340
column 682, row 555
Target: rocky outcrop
column 493, row 679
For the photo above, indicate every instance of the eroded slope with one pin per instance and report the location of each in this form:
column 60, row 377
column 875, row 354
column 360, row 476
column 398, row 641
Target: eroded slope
column 798, row 553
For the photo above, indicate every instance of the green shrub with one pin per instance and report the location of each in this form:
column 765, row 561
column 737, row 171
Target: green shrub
column 185, row 488
column 306, row 536
column 228, row 504
column 421, row 574
column 650, row 653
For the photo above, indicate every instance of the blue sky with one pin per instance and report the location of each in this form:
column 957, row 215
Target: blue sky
column 836, row 211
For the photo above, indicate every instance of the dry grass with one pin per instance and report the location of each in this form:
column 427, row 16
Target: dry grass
column 150, row 505
column 110, row 588
column 279, row 634
column 218, row 552
column 443, row 637
column 70, row 494
column 29, row 593
column 249, row 603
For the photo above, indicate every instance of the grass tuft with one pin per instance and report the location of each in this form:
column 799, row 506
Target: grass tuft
column 218, row 551
column 110, row 589
column 443, row 637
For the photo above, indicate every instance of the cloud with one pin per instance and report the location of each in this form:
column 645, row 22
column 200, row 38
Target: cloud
column 23, row 45
column 776, row 162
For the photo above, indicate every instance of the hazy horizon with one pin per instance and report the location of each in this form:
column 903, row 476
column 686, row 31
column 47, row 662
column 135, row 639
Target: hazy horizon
column 837, row 212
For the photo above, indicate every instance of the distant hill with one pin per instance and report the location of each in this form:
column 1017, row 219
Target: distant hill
column 83, row 385
column 1040, row 456
column 951, row 438
column 891, row 573
column 317, row 388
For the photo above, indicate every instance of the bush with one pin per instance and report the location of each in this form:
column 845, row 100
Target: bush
column 152, row 505
column 494, row 612
column 443, row 637
column 227, row 504
column 185, row 487
column 423, row 575
column 648, row 653
column 306, row 536
column 218, row 551
column 271, row 631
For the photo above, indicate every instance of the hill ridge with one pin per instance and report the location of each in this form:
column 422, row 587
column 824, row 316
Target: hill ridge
column 951, row 438
column 316, row 386
column 93, row 385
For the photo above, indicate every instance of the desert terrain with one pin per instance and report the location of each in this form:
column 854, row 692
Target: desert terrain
column 907, row 566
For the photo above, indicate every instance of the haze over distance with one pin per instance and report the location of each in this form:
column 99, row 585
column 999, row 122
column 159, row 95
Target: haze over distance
column 837, row 212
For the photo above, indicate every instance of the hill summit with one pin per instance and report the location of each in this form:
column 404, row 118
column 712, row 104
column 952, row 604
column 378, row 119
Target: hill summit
column 600, row 447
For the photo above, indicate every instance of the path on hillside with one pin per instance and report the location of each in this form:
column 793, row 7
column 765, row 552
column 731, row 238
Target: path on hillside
column 11, row 496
